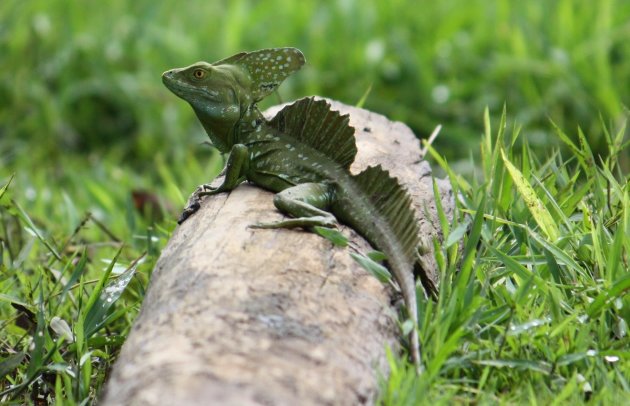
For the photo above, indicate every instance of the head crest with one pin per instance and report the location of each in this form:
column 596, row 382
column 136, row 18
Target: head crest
column 267, row 68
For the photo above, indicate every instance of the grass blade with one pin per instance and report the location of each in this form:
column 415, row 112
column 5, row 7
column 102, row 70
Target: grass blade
column 379, row 271
column 105, row 295
column 364, row 97
column 4, row 188
column 332, row 235
column 11, row 362
column 31, row 226
column 536, row 207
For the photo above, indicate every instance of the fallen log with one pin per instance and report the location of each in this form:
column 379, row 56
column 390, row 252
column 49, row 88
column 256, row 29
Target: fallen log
column 235, row 315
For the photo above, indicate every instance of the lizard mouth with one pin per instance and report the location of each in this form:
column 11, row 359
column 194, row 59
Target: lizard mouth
column 183, row 89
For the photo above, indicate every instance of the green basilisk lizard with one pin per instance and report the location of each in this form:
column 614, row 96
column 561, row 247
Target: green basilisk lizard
column 303, row 154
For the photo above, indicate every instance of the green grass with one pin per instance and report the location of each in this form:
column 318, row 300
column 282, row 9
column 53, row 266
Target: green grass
column 534, row 267
column 533, row 306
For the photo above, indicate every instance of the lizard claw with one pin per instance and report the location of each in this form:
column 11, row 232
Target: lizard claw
column 205, row 187
column 189, row 210
column 194, row 202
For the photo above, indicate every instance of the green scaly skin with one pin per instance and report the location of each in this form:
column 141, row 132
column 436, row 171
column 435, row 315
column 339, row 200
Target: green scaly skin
column 309, row 185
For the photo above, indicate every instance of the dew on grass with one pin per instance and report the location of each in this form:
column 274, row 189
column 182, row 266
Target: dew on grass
column 611, row 358
column 61, row 328
column 521, row 328
column 41, row 24
column 440, row 94
column 374, row 51
column 70, row 371
column 30, row 193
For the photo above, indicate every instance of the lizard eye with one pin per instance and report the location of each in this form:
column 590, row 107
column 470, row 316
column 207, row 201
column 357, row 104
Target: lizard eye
column 199, row 73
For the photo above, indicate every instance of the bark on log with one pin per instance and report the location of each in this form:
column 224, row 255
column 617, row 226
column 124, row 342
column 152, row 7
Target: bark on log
column 242, row 316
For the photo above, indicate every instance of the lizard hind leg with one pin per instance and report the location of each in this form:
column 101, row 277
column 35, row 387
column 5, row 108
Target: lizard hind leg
column 306, row 203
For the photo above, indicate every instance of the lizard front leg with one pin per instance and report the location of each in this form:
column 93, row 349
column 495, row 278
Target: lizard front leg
column 236, row 167
column 307, row 202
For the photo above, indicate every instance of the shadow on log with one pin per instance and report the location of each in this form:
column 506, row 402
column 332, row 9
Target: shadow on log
column 243, row 316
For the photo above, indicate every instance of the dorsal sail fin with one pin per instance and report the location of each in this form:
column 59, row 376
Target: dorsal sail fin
column 313, row 122
column 392, row 202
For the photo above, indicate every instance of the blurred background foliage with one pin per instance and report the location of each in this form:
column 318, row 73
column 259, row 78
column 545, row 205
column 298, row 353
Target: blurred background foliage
column 84, row 76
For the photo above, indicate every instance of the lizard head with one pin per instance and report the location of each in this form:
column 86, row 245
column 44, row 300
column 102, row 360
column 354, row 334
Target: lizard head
column 222, row 92
column 213, row 93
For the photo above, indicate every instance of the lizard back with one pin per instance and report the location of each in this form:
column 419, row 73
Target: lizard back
column 313, row 124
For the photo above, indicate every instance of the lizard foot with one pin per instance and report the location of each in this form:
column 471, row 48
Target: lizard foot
column 304, row 222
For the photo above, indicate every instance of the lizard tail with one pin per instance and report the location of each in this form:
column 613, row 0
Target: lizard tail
column 393, row 228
